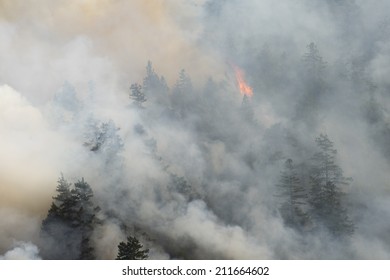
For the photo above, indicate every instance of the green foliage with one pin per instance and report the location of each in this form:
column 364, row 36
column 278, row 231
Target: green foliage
column 85, row 216
column 325, row 169
column 326, row 192
column 62, row 206
column 71, row 220
column 131, row 250
column 294, row 197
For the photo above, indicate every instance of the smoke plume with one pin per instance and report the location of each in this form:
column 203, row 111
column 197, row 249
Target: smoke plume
column 193, row 169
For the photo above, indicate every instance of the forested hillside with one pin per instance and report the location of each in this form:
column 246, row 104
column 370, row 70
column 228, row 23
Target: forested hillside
column 213, row 129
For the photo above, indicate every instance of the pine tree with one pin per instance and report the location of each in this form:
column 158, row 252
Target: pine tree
column 131, row 250
column 294, row 198
column 62, row 203
column 183, row 84
column 182, row 97
column 326, row 192
column 156, row 90
column 85, row 218
column 70, row 222
column 152, row 83
column 309, row 106
column 137, row 95
column 313, row 61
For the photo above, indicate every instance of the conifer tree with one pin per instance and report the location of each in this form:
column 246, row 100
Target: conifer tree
column 137, row 95
column 183, row 84
column 182, row 99
column 85, row 217
column 131, row 250
column 70, row 222
column 152, row 82
column 309, row 105
column 62, row 203
column 326, row 190
column 294, row 198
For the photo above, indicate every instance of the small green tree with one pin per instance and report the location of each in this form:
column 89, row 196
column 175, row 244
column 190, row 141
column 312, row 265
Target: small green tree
column 131, row 250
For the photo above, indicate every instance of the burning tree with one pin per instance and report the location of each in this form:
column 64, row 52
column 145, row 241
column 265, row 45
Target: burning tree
column 247, row 92
column 245, row 89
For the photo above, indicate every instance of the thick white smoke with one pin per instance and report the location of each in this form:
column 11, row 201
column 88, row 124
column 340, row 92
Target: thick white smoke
column 66, row 68
column 22, row 251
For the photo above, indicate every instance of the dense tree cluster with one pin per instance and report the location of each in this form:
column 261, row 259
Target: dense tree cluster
column 321, row 203
column 70, row 221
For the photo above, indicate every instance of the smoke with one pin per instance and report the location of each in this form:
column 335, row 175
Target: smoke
column 193, row 173
column 22, row 251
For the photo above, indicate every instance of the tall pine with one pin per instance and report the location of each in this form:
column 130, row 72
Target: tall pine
column 69, row 225
column 85, row 217
column 326, row 197
column 137, row 95
column 293, row 196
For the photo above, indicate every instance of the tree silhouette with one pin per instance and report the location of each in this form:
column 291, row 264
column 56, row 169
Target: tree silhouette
column 131, row 250
column 294, row 198
column 326, row 192
column 70, row 222
column 137, row 95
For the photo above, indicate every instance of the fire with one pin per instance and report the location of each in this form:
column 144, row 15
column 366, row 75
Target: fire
column 245, row 89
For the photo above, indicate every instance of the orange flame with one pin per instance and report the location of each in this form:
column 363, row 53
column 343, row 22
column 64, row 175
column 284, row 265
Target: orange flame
column 245, row 89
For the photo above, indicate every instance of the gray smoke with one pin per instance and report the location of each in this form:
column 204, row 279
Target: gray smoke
column 64, row 78
column 22, row 251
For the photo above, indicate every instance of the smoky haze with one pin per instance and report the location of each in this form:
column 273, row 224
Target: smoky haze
column 194, row 170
